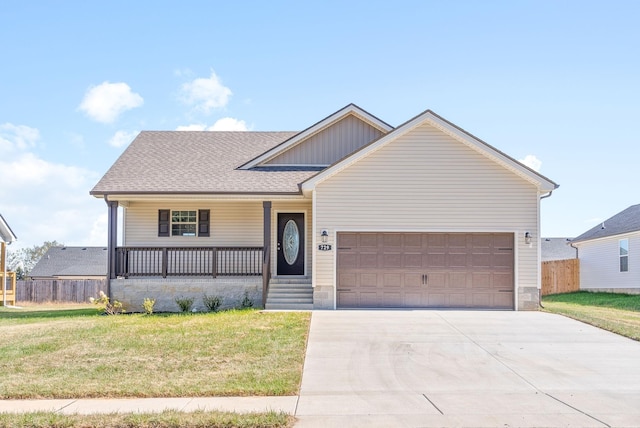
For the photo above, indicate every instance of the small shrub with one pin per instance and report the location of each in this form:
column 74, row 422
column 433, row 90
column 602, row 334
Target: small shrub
column 184, row 303
column 246, row 301
column 212, row 303
column 147, row 305
column 106, row 306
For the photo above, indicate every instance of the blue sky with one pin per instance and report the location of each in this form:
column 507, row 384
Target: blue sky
column 554, row 81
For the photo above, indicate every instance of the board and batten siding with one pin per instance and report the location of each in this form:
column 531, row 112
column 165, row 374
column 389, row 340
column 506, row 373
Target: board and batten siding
column 600, row 263
column 426, row 181
column 329, row 145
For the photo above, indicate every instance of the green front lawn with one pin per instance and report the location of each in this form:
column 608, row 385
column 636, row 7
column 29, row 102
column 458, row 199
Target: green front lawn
column 167, row 419
column 77, row 353
column 619, row 313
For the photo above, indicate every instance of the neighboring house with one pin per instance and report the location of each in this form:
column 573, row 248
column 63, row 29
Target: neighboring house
column 609, row 254
column 348, row 213
column 7, row 279
column 557, row 249
column 71, row 263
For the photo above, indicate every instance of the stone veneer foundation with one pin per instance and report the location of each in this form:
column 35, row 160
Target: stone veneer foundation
column 132, row 292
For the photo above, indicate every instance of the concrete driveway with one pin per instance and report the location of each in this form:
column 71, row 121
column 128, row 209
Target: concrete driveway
column 466, row 368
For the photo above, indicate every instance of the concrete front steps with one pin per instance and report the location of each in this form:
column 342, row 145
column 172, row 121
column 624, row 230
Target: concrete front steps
column 290, row 293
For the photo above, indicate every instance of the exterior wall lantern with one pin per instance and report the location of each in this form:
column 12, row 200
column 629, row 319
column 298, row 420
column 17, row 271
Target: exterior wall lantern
column 324, row 235
column 527, row 238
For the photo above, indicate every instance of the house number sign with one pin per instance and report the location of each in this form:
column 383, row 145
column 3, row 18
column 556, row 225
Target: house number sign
column 324, row 247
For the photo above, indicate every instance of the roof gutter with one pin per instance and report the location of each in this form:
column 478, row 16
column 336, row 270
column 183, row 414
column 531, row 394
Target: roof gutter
column 540, row 291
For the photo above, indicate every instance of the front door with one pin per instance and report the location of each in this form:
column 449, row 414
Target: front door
column 290, row 244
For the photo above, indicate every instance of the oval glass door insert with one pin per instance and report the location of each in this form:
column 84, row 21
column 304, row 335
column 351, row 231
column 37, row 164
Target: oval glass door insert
column 291, row 238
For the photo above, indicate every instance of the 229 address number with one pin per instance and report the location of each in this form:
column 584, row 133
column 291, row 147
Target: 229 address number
column 324, row 247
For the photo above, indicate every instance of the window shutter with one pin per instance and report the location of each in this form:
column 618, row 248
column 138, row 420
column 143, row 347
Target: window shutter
column 164, row 222
column 203, row 223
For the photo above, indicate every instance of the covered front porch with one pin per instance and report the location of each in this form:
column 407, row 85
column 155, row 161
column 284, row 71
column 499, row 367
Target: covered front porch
column 235, row 273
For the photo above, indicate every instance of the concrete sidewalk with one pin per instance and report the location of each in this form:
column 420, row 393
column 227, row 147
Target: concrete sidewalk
column 153, row 405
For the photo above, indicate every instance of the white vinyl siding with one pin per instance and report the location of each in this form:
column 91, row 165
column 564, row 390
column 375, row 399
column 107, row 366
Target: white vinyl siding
column 600, row 263
column 329, row 145
column 233, row 224
column 426, row 181
column 237, row 224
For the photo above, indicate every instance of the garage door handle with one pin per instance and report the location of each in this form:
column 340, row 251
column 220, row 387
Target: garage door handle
column 425, row 279
column 505, row 291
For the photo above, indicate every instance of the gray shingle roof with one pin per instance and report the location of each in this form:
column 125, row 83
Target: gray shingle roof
column 624, row 222
column 71, row 261
column 198, row 162
column 557, row 249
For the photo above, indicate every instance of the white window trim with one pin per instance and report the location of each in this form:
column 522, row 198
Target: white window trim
column 620, row 256
column 195, row 223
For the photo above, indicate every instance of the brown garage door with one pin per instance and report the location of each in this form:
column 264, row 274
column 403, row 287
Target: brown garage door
column 425, row 270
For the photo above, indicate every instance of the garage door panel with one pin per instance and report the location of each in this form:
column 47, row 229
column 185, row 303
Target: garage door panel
column 503, row 300
column 392, row 240
column 414, row 300
column 502, row 260
column 502, row 280
column 457, row 300
column 457, row 240
column 348, row 299
column 412, row 241
column 392, row 260
column 457, row 260
column 348, row 279
column 413, row 280
column 482, row 240
column 368, row 279
column 392, row 300
column 458, row 279
column 436, row 300
column 425, row 270
column 367, row 240
column 347, row 260
column 481, row 300
column 346, row 239
column 481, row 260
column 434, row 260
column 436, row 279
column 412, row 260
column 481, row 279
column 367, row 260
column 392, row 280
column 370, row 299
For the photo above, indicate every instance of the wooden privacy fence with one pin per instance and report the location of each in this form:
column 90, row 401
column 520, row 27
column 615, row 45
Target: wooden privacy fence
column 60, row 290
column 560, row 276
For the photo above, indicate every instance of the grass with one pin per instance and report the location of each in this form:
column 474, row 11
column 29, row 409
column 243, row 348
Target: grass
column 618, row 313
column 78, row 353
column 167, row 419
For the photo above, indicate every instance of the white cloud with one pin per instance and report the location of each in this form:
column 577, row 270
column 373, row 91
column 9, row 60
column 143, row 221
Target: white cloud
column 17, row 137
column 105, row 102
column 532, row 162
column 192, row 127
column 46, row 201
column 224, row 124
column 205, row 94
column 228, row 124
column 122, row 138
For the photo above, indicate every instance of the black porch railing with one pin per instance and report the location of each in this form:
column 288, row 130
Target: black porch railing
column 189, row 261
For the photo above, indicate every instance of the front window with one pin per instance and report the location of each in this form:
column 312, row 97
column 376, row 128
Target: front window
column 183, row 223
column 624, row 255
